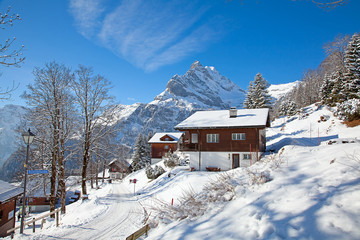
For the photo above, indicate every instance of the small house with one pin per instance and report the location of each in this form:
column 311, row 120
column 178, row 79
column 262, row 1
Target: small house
column 224, row 139
column 162, row 143
column 38, row 204
column 8, row 195
column 119, row 169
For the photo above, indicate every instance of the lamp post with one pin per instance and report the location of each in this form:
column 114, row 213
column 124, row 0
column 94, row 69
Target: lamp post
column 28, row 138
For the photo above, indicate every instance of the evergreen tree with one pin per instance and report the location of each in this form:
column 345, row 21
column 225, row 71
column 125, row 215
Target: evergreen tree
column 258, row 96
column 352, row 66
column 141, row 157
column 352, row 55
column 325, row 89
column 249, row 103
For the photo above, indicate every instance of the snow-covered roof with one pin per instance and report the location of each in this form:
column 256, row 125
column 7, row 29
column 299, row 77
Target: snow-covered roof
column 8, row 191
column 222, row 119
column 118, row 162
column 174, row 135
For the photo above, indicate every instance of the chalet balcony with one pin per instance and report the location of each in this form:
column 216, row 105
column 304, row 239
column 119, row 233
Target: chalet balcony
column 188, row 147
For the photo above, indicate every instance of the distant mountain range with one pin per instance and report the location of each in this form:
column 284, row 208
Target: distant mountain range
column 200, row 88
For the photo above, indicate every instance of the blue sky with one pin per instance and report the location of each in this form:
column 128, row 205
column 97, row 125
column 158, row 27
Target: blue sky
column 139, row 45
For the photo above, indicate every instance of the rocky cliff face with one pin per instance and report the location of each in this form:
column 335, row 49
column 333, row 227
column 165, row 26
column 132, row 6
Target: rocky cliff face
column 200, row 88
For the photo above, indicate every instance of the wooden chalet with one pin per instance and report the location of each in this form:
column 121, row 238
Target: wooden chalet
column 224, row 139
column 162, row 143
column 8, row 195
column 119, row 169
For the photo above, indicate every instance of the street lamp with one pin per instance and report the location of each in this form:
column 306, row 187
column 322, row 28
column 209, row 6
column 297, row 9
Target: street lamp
column 28, row 138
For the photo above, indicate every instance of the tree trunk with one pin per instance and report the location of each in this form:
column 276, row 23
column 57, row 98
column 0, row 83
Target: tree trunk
column 53, row 184
column 91, row 173
column 96, row 173
column 83, row 174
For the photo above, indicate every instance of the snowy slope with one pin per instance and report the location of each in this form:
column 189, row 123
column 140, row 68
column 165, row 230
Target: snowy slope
column 279, row 90
column 10, row 119
column 313, row 193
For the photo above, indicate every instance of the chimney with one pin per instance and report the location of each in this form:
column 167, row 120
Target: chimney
column 233, row 112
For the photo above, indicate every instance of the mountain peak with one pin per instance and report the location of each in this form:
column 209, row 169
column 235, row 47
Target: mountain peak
column 195, row 65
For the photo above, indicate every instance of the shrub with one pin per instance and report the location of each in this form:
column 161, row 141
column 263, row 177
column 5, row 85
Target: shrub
column 171, row 160
column 348, row 110
column 258, row 178
column 153, row 173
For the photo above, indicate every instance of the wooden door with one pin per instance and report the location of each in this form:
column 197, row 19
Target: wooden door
column 236, row 160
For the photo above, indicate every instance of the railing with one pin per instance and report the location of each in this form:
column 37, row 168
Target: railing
column 12, row 230
column 188, row 147
column 138, row 233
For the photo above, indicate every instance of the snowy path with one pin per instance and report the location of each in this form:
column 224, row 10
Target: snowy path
column 123, row 216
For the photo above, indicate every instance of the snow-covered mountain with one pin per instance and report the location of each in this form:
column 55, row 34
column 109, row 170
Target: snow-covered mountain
column 198, row 89
column 10, row 119
column 278, row 91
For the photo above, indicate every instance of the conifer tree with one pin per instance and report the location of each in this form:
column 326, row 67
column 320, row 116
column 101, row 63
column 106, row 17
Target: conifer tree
column 141, row 157
column 352, row 55
column 352, row 66
column 249, row 103
column 258, row 96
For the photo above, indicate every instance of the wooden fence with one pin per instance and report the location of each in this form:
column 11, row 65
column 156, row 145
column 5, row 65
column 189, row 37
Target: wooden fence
column 56, row 212
column 138, row 233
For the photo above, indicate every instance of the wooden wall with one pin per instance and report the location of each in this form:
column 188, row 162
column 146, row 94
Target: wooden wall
column 226, row 144
column 158, row 149
column 5, row 222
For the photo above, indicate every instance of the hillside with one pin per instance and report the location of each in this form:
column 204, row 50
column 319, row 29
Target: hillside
column 10, row 118
column 311, row 192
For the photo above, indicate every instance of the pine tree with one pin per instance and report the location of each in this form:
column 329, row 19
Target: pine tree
column 325, row 89
column 141, row 157
column 258, row 96
column 352, row 55
column 249, row 103
column 352, row 66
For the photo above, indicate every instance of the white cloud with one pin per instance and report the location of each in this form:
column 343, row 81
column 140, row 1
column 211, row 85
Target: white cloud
column 87, row 14
column 148, row 34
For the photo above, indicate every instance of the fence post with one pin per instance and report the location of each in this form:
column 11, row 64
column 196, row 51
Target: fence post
column 33, row 225
column 57, row 218
column 42, row 223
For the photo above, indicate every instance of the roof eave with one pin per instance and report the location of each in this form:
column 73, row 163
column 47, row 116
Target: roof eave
column 220, row 127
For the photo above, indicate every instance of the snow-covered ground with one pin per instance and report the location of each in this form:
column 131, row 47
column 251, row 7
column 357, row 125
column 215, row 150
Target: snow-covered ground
column 313, row 193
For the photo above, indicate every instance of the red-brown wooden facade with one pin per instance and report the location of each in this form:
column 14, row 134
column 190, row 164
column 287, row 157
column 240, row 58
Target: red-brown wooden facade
column 254, row 140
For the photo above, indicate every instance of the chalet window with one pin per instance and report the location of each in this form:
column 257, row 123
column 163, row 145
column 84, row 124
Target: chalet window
column 167, row 139
column 212, row 138
column 194, row 138
column 238, row 136
column 246, row 156
column 1, row 215
column 166, row 147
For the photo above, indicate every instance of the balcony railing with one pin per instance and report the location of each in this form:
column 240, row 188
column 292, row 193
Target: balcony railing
column 188, row 147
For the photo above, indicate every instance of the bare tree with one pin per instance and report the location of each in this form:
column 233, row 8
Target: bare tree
column 92, row 97
column 335, row 54
column 329, row 4
column 52, row 116
column 8, row 55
